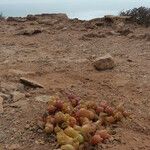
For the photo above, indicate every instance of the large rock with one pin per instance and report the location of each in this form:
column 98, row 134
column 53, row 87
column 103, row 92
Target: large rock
column 105, row 62
column 1, row 105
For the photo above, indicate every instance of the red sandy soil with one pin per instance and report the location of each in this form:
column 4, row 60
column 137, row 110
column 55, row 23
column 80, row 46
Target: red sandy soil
column 61, row 58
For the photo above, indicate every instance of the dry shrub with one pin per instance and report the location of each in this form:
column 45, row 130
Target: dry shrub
column 139, row 15
column 1, row 16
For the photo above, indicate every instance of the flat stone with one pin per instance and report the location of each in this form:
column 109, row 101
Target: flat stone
column 104, row 63
column 43, row 98
column 1, row 105
column 29, row 82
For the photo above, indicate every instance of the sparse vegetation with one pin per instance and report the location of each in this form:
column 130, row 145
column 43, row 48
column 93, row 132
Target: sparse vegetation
column 1, row 16
column 139, row 15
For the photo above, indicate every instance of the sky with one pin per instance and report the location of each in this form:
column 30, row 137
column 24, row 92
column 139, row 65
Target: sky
column 82, row 9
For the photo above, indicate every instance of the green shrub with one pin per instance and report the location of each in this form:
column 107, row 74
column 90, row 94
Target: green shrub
column 139, row 15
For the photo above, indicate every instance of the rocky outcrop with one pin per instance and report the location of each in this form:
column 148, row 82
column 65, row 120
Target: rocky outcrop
column 31, row 18
column 16, row 19
column 59, row 15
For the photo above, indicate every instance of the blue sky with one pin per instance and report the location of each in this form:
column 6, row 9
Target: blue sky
column 84, row 9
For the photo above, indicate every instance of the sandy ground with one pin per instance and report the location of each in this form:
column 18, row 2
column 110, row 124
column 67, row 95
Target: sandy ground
column 61, row 58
